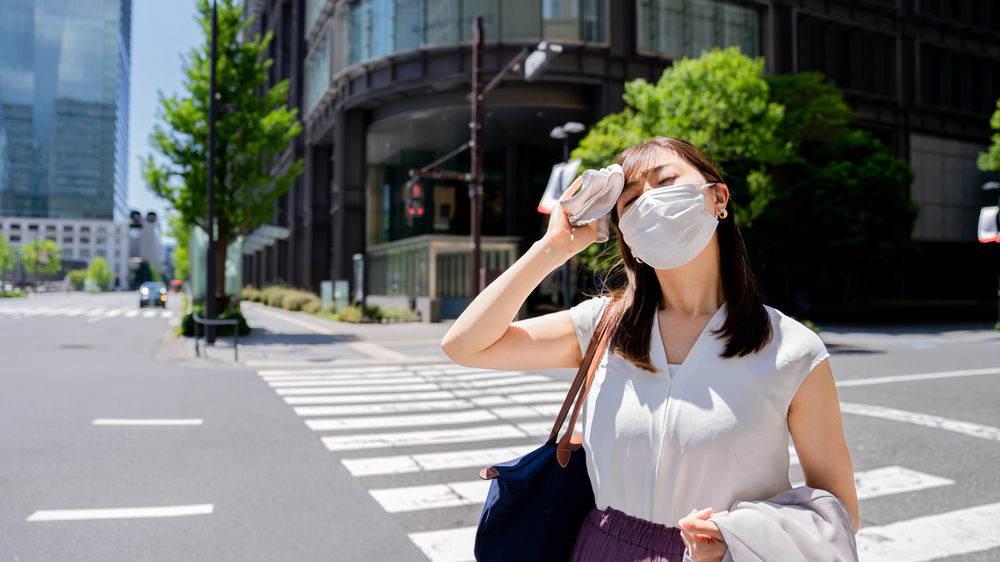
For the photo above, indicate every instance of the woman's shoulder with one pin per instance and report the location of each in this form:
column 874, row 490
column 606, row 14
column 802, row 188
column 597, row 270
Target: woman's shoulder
column 793, row 340
column 586, row 316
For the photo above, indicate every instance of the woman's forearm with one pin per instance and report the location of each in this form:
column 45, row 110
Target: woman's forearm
column 486, row 319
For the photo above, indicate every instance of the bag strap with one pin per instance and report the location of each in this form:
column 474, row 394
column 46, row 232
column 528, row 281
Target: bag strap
column 584, row 378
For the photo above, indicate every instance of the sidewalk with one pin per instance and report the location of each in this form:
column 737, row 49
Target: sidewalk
column 284, row 339
column 908, row 336
column 295, row 340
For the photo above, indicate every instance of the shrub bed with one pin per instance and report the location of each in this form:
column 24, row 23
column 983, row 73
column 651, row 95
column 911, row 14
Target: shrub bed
column 289, row 298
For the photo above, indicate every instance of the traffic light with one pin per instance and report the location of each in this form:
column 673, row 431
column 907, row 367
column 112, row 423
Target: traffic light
column 414, row 199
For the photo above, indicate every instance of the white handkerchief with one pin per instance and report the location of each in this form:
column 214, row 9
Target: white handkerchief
column 596, row 198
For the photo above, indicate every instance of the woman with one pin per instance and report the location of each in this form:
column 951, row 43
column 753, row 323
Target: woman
column 692, row 406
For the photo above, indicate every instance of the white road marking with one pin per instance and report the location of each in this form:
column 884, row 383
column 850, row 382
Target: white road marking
column 389, row 422
column 390, row 408
column 507, row 391
column 423, row 437
column 542, row 429
column 166, row 314
column 131, row 314
column 494, row 382
column 120, row 513
column 347, row 384
column 354, row 389
column 517, row 412
column 149, row 314
column 449, row 545
column 965, row 428
column 110, row 421
column 890, row 480
column 343, row 379
column 362, row 398
column 113, row 313
column 954, row 533
column 496, row 375
column 919, row 377
column 353, row 371
column 536, row 397
column 425, row 462
column 77, row 312
column 95, row 312
column 432, row 496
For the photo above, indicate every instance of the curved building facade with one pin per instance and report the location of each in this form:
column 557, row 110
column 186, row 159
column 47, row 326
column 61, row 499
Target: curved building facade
column 64, row 107
column 381, row 87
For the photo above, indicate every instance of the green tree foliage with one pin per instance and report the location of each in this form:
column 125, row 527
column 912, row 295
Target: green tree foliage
column 841, row 212
column 253, row 127
column 720, row 103
column 41, row 257
column 823, row 206
column 143, row 274
column 989, row 161
column 8, row 258
column 77, row 277
column 100, row 272
column 179, row 231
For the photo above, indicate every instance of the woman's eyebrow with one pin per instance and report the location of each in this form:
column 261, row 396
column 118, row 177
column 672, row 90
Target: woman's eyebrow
column 652, row 171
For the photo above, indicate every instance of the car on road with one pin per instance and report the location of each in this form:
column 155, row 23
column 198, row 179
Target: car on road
column 152, row 293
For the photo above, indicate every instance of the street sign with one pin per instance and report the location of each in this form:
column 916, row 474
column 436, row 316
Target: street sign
column 43, row 257
column 988, row 231
column 559, row 181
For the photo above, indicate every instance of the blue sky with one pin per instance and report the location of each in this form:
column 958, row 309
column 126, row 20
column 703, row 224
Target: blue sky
column 161, row 33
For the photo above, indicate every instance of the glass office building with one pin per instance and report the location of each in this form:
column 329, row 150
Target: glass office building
column 64, row 100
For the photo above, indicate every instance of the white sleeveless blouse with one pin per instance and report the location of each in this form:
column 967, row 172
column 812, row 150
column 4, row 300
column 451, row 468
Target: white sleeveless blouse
column 710, row 433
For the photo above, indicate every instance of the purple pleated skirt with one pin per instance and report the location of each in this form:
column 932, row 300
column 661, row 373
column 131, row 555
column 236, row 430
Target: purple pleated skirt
column 612, row 536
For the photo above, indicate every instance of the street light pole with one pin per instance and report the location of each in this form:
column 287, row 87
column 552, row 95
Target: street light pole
column 476, row 187
column 210, row 265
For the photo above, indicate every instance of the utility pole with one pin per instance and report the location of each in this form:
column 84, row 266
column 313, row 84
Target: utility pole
column 210, row 265
column 476, row 187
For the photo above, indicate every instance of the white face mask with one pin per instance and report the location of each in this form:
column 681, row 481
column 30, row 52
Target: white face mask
column 667, row 227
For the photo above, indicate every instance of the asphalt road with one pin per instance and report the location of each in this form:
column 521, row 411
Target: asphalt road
column 300, row 465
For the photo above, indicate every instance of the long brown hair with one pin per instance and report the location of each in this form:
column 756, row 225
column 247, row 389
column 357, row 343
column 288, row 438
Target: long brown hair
column 747, row 328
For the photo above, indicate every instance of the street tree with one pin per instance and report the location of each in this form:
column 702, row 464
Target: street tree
column 720, row 103
column 841, row 197
column 178, row 230
column 989, row 161
column 77, row 277
column 100, row 272
column 41, row 257
column 253, row 128
column 8, row 258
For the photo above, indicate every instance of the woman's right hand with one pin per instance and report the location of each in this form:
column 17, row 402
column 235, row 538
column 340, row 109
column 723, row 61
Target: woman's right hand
column 567, row 239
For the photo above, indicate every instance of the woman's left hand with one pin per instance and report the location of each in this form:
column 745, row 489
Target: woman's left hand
column 703, row 538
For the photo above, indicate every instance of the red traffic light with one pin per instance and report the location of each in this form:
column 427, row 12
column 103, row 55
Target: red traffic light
column 416, row 190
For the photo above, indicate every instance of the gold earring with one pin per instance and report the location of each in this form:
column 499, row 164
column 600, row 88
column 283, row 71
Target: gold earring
column 633, row 254
column 723, row 214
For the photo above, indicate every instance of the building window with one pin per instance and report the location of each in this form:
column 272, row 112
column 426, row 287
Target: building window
column 117, row 268
column 101, row 229
column 32, row 228
column 52, row 238
column 84, row 229
column 118, row 230
column 118, row 253
column 84, row 253
column 118, row 241
column 67, row 239
column 68, row 228
column 970, row 12
column 67, row 252
column 17, row 226
column 375, row 28
column 679, row 28
column 101, row 240
column 318, row 73
column 958, row 81
column 851, row 58
column 101, row 253
column 86, row 239
column 313, row 9
column 50, row 228
column 17, row 237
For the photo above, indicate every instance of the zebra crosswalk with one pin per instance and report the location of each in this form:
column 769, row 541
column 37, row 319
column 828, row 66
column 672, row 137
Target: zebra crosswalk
column 407, row 431
column 89, row 310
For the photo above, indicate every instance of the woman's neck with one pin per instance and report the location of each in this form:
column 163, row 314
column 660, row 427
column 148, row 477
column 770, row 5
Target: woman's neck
column 695, row 288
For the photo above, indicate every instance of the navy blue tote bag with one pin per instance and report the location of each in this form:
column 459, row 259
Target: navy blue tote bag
column 537, row 503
